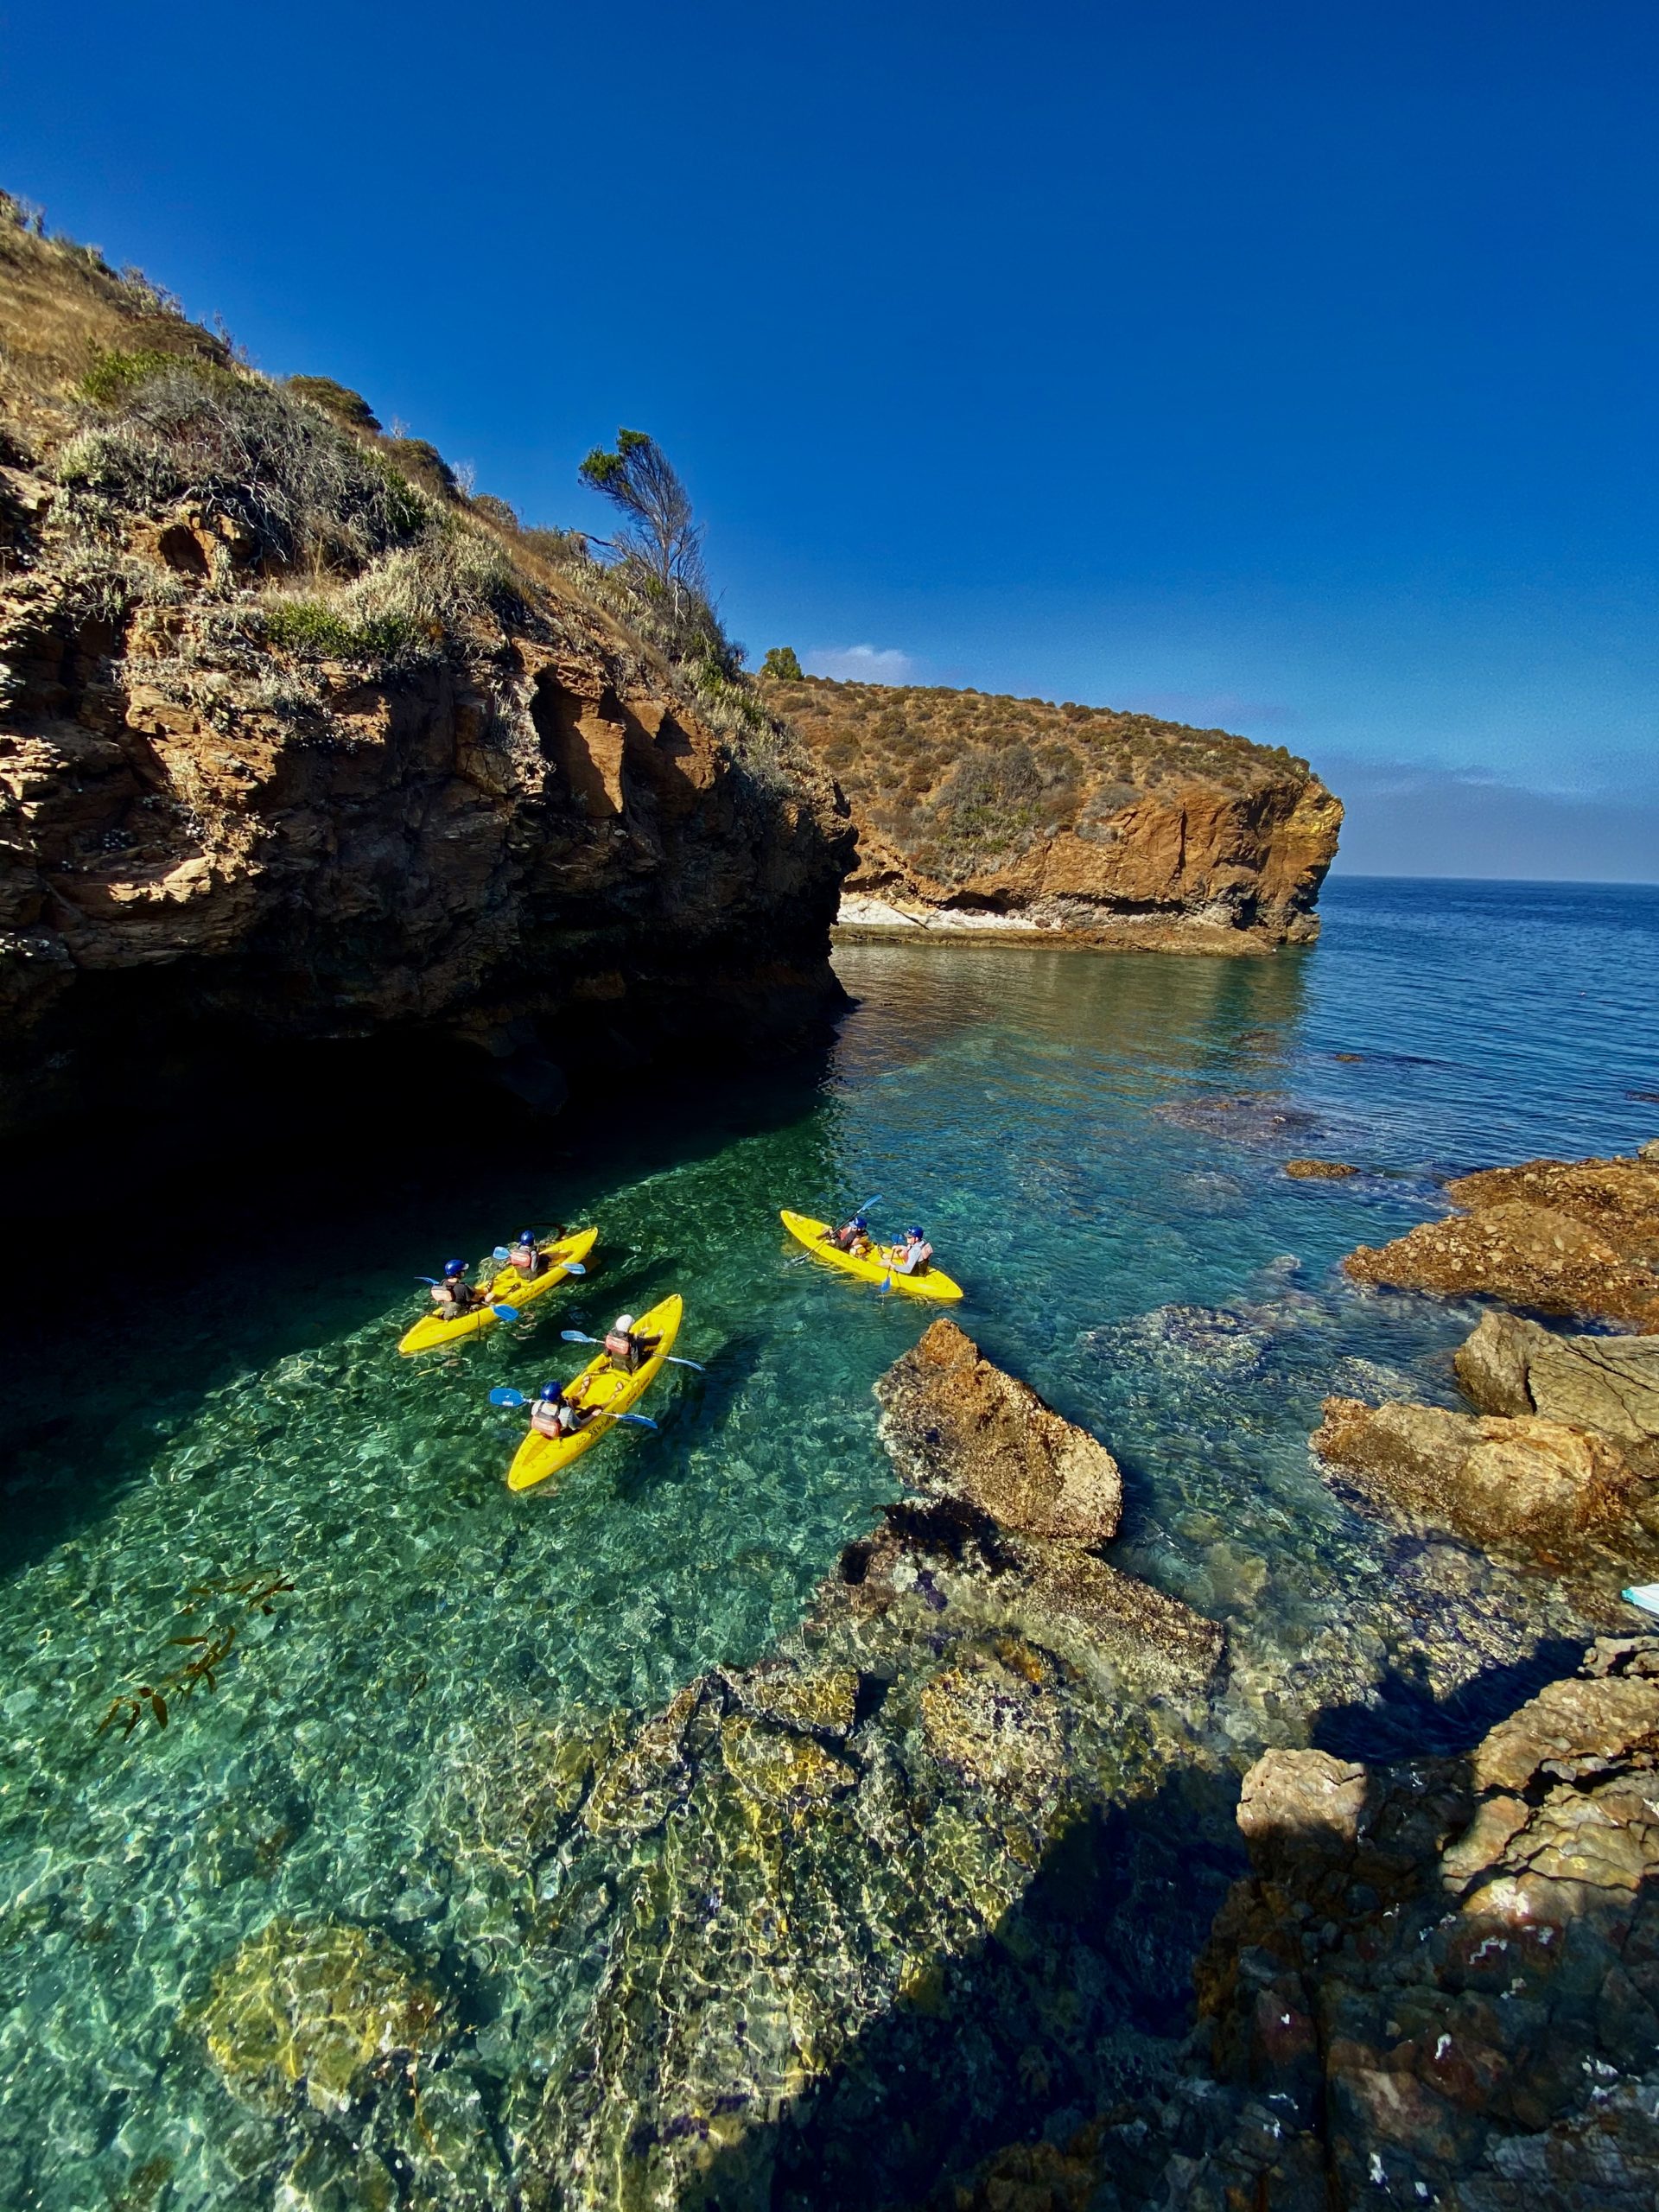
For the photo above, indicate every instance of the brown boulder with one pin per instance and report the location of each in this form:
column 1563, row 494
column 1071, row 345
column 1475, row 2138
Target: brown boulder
column 1319, row 1170
column 1526, row 1481
column 959, row 1427
column 1609, row 1383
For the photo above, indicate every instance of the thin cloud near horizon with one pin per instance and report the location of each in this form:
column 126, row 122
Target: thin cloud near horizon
column 860, row 664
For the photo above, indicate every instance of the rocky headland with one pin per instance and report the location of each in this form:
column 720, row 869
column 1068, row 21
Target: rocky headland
column 300, row 745
column 995, row 819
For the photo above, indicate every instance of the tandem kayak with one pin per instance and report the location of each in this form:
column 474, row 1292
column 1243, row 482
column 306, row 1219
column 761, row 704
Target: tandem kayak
column 506, row 1287
column 934, row 1284
column 608, row 1390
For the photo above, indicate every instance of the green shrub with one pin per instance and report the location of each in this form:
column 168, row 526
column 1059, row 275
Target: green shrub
column 423, row 463
column 114, row 377
column 782, row 665
column 315, row 631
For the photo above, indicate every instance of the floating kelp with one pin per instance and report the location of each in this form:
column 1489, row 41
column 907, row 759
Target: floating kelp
column 208, row 1652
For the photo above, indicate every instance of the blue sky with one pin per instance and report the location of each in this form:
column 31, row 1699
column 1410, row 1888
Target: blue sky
column 1285, row 367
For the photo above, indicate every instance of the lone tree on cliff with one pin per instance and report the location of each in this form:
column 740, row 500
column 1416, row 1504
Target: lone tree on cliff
column 783, row 665
column 659, row 536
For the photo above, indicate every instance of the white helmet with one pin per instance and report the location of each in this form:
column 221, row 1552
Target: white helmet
column 623, row 1323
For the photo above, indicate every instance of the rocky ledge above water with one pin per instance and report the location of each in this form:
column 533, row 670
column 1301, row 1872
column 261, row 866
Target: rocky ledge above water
column 1560, row 1464
column 1016, row 820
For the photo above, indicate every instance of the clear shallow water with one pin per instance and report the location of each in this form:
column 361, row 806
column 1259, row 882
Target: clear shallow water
column 1091, row 1142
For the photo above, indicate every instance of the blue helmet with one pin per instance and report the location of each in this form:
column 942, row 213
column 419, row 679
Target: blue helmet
column 526, row 1236
column 859, row 1222
column 549, row 1390
column 453, row 1268
column 915, row 1232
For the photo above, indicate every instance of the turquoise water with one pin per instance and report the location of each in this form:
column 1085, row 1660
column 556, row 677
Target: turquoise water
column 1094, row 1147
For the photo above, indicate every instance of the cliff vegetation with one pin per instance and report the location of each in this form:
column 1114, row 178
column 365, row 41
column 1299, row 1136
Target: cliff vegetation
column 300, row 740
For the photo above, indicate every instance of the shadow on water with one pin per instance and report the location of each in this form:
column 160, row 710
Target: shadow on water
column 1078, row 1998
column 1083, row 1996
column 182, row 1296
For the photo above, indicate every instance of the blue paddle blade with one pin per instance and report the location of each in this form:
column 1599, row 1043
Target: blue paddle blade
column 576, row 1337
column 884, row 1289
column 503, row 1396
column 638, row 1420
column 431, row 1279
column 671, row 1362
column 574, row 1267
column 500, row 1254
column 504, row 1312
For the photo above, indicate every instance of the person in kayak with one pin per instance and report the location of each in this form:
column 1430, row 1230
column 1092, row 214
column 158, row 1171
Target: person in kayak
column 625, row 1347
column 526, row 1259
column 912, row 1257
column 854, row 1237
column 455, row 1295
column 556, row 1413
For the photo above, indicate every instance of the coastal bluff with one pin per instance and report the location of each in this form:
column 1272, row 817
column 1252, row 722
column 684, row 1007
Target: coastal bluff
column 1002, row 820
column 302, row 746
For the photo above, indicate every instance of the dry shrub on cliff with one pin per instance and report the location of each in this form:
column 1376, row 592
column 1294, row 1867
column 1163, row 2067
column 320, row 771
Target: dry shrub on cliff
column 296, row 490
column 406, row 605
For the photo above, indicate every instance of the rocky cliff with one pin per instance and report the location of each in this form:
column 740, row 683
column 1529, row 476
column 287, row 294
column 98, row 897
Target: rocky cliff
column 991, row 814
column 299, row 743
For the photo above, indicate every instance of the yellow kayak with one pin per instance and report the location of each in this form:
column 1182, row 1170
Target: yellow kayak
column 611, row 1390
column 934, row 1284
column 506, row 1287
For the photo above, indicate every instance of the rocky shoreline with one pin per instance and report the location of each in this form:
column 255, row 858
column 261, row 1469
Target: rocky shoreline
column 967, row 1830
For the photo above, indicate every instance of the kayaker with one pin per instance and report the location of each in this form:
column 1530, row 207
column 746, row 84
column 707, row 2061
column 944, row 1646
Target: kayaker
column 559, row 1413
column 626, row 1346
column 912, row 1257
column 853, row 1236
column 526, row 1259
column 455, row 1295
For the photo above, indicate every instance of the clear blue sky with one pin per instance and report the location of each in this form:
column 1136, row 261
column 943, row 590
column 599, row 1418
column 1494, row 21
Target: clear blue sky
column 1287, row 366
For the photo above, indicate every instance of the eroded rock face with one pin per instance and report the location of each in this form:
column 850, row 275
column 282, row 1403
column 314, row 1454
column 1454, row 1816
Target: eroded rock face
column 1578, row 1237
column 1567, row 1495
column 1008, row 814
column 1447, row 1990
column 957, row 1426
column 1608, row 1384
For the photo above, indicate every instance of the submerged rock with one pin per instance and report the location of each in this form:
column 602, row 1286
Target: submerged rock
column 1319, row 1170
column 1574, row 1238
column 326, row 2005
column 957, row 1426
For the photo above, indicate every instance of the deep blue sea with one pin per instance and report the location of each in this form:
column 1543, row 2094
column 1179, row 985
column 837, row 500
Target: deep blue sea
column 1094, row 1145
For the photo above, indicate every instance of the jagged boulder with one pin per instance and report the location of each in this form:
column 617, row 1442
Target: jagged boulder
column 956, row 1426
column 1515, row 1367
column 1518, row 1482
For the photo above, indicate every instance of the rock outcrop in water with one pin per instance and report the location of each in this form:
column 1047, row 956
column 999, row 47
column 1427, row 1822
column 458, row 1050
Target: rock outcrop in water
column 298, row 745
column 1575, row 1238
column 990, row 815
column 1562, row 1463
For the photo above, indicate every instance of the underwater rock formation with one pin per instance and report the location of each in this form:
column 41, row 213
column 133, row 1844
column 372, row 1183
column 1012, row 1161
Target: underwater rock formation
column 1005, row 819
column 835, row 1842
column 1319, row 1170
column 957, row 1426
column 1576, row 1237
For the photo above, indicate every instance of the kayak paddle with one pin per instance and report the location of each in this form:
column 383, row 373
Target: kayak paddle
column 576, row 1337
column 503, row 1396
